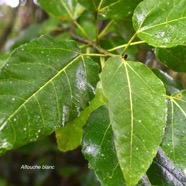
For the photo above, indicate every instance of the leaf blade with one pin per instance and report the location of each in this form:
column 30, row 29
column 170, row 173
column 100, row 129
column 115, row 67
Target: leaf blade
column 98, row 149
column 121, row 81
column 174, row 141
column 43, row 85
column 161, row 31
column 63, row 9
column 174, row 58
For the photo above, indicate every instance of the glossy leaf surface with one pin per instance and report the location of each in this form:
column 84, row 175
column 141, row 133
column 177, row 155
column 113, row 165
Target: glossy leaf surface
column 170, row 84
column 44, row 85
column 3, row 59
column 114, row 9
column 173, row 58
column 98, row 148
column 163, row 172
column 98, row 140
column 161, row 23
column 174, row 143
column 63, row 9
column 69, row 137
column 137, row 111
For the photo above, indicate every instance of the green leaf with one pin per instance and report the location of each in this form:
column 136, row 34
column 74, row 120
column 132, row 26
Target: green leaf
column 44, row 85
column 170, row 84
column 91, row 5
column 118, row 9
column 69, row 137
column 111, row 9
column 63, row 9
column 174, row 143
column 173, row 58
column 161, row 23
column 137, row 111
column 3, row 59
column 163, row 172
column 98, row 148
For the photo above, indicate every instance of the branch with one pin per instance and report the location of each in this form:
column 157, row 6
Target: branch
column 90, row 43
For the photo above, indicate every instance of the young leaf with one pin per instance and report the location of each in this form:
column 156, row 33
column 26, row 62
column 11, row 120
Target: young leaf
column 138, row 113
column 161, row 23
column 69, row 137
column 173, row 58
column 63, row 9
column 174, row 143
column 163, row 172
column 43, row 85
column 98, row 148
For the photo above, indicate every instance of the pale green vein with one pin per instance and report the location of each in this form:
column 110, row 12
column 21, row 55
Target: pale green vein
column 184, row 113
column 172, row 127
column 66, row 8
column 132, row 114
column 110, row 5
column 160, row 24
column 105, row 133
column 99, row 6
column 40, row 89
column 143, row 80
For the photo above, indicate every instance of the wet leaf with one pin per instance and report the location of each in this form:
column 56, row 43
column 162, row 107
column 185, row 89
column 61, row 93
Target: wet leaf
column 69, row 137
column 137, row 112
column 98, row 148
column 174, row 142
column 170, row 84
column 161, row 23
column 98, row 138
column 163, row 172
column 44, row 85
column 63, row 9
column 3, row 59
column 173, row 58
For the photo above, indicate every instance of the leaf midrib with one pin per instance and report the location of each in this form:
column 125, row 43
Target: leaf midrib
column 40, row 89
column 160, row 24
column 131, row 114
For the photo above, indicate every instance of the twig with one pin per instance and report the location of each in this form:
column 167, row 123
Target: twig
column 90, row 43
